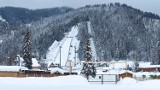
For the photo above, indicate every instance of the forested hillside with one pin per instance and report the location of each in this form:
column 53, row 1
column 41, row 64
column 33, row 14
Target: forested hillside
column 119, row 32
column 23, row 15
column 14, row 23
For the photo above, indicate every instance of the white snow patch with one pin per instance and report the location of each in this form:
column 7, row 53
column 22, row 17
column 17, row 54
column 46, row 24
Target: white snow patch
column 1, row 41
column 1, row 19
column 35, row 63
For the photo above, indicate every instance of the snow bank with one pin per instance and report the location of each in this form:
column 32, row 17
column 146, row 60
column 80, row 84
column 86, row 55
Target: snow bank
column 55, row 83
column 151, row 83
column 127, row 81
column 73, row 82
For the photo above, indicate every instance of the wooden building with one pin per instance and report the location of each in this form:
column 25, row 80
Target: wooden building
column 36, row 73
column 124, row 74
column 18, row 71
column 11, row 71
column 150, row 68
column 56, row 71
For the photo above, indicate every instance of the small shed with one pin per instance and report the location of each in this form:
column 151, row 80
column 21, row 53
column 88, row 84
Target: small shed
column 56, row 71
column 125, row 73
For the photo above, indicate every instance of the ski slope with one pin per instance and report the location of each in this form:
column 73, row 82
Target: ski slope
column 65, row 49
column 93, row 49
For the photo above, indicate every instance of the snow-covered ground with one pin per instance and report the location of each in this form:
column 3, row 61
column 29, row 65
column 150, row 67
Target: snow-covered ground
column 66, row 47
column 73, row 83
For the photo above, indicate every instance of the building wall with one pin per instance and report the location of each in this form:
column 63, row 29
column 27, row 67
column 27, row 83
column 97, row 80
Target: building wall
column 29, row 74
column 126, row 75
column 8, row 74
column 150, row 69
column 22, row 74
column 35, row 68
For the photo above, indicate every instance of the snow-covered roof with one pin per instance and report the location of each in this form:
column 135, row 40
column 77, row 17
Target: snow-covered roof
column 53, row 70
column 144, row 64
column 124, row 71
column 35, row 63
column 108, row 72
column 117, row 65
column 150, row 66
column 23, row 68
column 121, row 64
column 10, row 68
column 107, row 68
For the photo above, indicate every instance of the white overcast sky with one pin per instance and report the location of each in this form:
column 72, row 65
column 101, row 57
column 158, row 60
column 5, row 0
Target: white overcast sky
column 145, row 5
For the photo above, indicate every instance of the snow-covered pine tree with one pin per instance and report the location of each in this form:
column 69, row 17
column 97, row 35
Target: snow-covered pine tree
column 158, row 53
column 136, row 67
column 88, row 68
column 27, row 50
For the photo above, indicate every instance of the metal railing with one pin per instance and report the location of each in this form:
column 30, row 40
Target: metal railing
column 102, row 78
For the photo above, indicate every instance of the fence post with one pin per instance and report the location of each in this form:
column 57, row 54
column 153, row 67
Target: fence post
column 116, row 76
column 102, row 78
column 70, row 67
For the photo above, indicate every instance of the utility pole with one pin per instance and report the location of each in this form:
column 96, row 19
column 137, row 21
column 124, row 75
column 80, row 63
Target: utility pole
column 75, row 53
column 60, row 55
column 1, row 47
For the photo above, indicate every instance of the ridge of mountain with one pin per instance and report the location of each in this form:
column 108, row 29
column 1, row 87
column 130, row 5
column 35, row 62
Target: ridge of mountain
column 119, row 32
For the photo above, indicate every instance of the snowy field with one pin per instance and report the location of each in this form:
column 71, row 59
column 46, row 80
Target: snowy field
column 73, row 83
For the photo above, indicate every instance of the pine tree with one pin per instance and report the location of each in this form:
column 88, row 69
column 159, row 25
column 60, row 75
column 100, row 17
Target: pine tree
column 88, row 68
column 136, row 66
column 27, row 51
